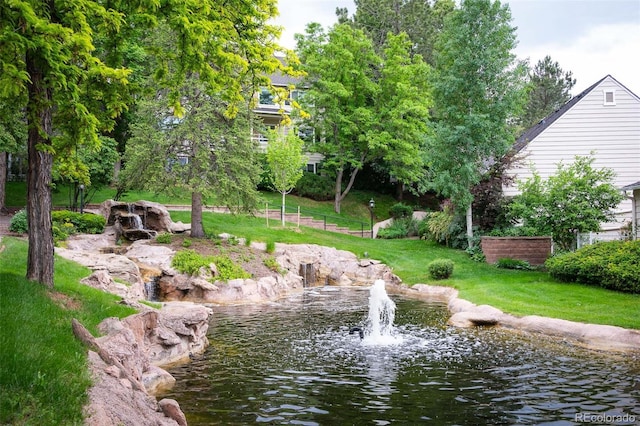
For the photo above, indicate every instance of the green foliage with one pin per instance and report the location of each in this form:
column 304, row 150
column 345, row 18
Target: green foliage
column 316, row 187
column 367, row 107
column 440, row 269
column 164, row 238
column 576, row 199
column 270, row 247
column 400, row 210
column 19, row 223
column 285, row 158
column 272, row 263
column 399, row 228
column 508, row 263
column 549, row 89
column 514, row 231
column 437, row 226
column 613, row 265
column 478, row 90
column 190, row 262
column 84, row 223
column 186, row 243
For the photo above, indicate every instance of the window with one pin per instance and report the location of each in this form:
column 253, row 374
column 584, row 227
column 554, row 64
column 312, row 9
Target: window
column 266, row 98
column 609, row 97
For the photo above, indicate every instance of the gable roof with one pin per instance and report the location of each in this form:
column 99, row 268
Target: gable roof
column 531, row 133
column 631, row 187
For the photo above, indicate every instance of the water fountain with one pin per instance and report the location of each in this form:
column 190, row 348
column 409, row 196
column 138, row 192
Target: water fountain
column 297, row 364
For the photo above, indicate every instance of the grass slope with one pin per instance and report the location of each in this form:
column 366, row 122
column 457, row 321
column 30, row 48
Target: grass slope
column 43, row 373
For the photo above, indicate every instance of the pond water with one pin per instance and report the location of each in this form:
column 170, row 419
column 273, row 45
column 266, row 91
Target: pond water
column 294, row 362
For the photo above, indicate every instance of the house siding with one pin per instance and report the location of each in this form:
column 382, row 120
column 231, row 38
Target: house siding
column 610, row 132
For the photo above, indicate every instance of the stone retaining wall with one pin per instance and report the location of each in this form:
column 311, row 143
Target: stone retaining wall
column 534, row 250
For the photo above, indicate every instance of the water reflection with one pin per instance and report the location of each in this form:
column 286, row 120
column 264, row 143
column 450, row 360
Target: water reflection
column 294, row 362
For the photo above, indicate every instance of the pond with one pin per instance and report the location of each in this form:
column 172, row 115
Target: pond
column 295, row 362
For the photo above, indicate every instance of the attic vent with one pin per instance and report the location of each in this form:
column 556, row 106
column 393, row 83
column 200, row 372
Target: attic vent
column 609, row 97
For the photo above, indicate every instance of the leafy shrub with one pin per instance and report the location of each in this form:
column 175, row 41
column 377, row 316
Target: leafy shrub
column 190, row 262
column 437, row 226
column 316, row 187
column 164, row 238
column 440, row 269
column 508, row 263
column 186, row 243
column 271, row 247
column 400, row 210
column 227, row 268
column 515, row 231
column 399, row 228
column 86, row 223
column 272, row 263
column 613, row 265
column 19, row 222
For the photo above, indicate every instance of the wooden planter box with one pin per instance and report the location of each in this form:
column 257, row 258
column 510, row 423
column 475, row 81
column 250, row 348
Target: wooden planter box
column 534, row 250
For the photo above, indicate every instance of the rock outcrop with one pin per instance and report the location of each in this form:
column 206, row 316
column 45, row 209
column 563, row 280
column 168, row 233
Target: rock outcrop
column 126, row 363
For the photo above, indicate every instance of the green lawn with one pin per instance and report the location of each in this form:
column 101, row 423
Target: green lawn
column 43, row 373
column 513, row 291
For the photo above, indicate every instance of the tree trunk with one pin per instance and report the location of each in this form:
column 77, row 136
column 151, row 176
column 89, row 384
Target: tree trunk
column 284, row 210
column 3, row 180
column 197, row 229
column 338, row 191
column 40, row 159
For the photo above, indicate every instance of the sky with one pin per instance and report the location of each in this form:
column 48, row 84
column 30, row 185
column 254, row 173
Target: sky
column 590, row 38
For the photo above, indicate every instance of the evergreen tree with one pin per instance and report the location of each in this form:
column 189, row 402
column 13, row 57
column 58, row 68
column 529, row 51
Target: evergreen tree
column 549, row 89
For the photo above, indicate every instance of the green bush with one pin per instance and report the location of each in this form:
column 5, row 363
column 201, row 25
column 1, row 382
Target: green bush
column 614, row 265
column 399, row 228
column 508, row 263
column 400, row 210
column 190, row 262
column 316, row 187
column 440, row 269
column 515, row 231
column 271, row 247
column 19, row 222
column 164, row 238
column 85, row 223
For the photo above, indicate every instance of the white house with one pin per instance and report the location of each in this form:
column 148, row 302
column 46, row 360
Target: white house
column 603, row 120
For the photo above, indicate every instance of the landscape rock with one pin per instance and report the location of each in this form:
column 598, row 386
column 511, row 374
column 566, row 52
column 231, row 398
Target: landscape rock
column 171, row 409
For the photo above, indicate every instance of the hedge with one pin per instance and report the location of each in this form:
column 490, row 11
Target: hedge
column 614, row 265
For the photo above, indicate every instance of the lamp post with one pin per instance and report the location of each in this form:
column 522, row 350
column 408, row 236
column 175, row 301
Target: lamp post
column 81, row 198
column 372, row 204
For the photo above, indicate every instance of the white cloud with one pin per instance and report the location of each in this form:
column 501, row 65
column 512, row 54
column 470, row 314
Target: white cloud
column 601, row 50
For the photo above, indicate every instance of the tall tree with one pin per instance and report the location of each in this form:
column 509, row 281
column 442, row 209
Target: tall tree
column 549, row 88
column 286, row 161
column 421, row 21
column 365, row 108
column 203, row 152
column 340, row 67
column 478, row 89
column 402, row 112
column 48, row 56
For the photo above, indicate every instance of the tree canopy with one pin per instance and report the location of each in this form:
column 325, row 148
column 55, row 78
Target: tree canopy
column 577, row 198
column 549, row 88
column 365, row 107
column 478, row 92
column 49, row 58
